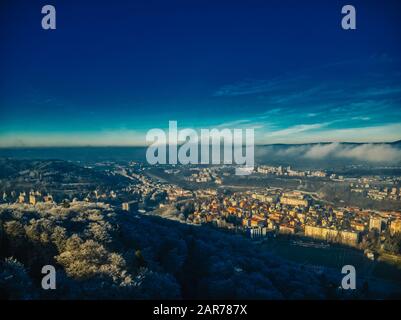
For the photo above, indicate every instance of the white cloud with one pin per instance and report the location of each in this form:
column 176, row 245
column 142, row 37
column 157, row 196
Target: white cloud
column 297, row 129
column 365, row 152
column 371, row 153
column 321, row 150
column 256, row 86
column 316, row 133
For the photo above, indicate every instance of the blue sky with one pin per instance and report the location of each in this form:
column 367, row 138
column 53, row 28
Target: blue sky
column 113, row 70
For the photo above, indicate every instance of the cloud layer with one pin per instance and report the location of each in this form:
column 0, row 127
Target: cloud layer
column 377, row 153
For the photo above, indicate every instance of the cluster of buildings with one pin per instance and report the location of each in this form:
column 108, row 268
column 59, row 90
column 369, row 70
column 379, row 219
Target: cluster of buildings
column 287, row 171
column 377, row 192
column 148, row 188
column 258, row 214
column 205, row 175
column 32, row 197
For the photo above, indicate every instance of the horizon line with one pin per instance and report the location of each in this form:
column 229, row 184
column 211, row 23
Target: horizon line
column 145, row 146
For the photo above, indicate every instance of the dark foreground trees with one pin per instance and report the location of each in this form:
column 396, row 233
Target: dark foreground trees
column 102, row 254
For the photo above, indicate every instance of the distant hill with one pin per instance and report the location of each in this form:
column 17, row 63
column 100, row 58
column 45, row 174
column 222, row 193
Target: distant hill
column 396, row 143
column 323, row 155
column 40, row 174
column 393, row 143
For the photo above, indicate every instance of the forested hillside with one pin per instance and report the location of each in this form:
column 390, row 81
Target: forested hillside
column 103, row 254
